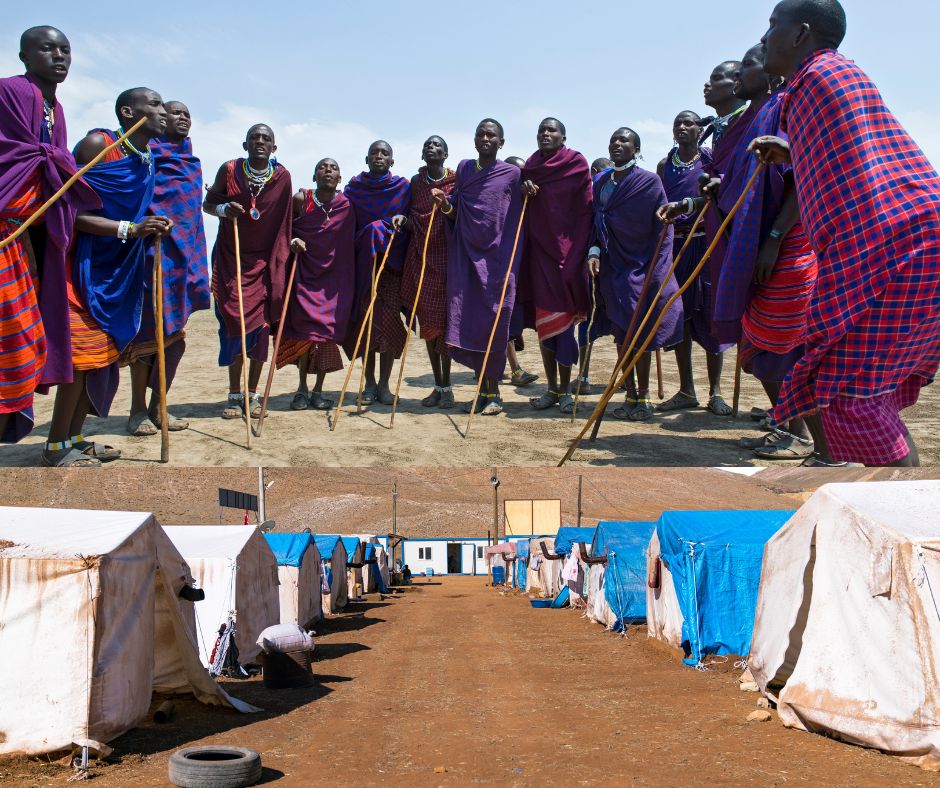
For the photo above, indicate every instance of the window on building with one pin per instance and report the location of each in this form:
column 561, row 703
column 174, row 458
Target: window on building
column 479, row 552
column 424, row 553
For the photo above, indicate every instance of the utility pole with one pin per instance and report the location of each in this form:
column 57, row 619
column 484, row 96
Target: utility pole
column 395, row 517
column 494, row 480
column 261, row 512
column 580, row 480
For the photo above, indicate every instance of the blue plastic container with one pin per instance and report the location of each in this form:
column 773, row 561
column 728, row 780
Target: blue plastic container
column 499, row 575
column 542, row 603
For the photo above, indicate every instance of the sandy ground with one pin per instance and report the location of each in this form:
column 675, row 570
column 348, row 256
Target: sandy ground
column 454, row 683
column 430, row 504
column 423, row 437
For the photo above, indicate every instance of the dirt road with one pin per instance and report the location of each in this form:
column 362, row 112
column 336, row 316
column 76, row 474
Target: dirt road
column 453, row 675
column 431, row 437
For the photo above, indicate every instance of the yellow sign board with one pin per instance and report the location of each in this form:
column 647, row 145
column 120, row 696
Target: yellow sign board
column 524, row 517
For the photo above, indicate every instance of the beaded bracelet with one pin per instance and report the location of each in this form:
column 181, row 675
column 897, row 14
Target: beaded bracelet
column 220, row 209
column 122, row 230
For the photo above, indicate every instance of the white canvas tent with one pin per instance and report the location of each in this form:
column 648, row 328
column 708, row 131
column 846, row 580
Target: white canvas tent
column 238, row 572
column 545, row 578
column 333, row 557
column 380, row 555
column 300, row 577
column 92, row 625
column 847, row 633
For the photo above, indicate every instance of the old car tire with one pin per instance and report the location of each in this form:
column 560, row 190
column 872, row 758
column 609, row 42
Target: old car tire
column 214, row 767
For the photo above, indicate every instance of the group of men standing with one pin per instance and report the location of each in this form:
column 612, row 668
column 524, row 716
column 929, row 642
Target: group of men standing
column 827, row 278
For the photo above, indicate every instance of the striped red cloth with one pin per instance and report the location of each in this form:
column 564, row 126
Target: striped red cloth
column 324, row 356
column 22, row 338
column 870, row 204
column 431, row 312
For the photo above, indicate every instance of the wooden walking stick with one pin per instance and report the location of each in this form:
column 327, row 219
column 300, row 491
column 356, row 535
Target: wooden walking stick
column 659, row 374
column 277, row 344
column 608, row 393
column 161, row 347
column 633, row 331
column 587, row 351
column 499, row 310
column 246, row 405
column 737, row 382
column 362, row 329
column 411, row 319
column 68, row 185
column 365, row 353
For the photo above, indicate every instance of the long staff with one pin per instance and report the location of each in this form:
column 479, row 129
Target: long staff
column 608, row 393
column 660, row 390
column 365, row 352
column 277, row 345
column 246, row 405
column 161, row 349
column 629, row 339
column 737, row 382
column 587, row 351
column 365, row 321
column 499, row 310
column 411, row 319
column 68, row 185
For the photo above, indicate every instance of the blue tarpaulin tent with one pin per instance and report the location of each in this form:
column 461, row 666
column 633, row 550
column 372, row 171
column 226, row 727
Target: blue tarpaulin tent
column 715, row 562
column 289, row 549
column 326, row 544
column 569, row 535
column 624, row 543
column 351, row 543
column 371, row 558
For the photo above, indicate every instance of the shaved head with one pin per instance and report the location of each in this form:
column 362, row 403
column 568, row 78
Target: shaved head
column 826, row 19
column 258, row 126
column 129, row 98
column 34, row 34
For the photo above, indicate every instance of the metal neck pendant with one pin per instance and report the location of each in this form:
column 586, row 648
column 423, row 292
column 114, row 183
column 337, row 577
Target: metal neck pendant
column 253, row 212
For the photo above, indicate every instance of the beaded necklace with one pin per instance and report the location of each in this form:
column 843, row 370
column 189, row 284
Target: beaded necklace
column 427, row 174
column 257, row 180
column 145, row 156
column 721, row 124
column 684, row 165
column 323, row 207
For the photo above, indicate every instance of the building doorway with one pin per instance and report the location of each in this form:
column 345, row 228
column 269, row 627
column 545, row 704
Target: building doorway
column 454, row 562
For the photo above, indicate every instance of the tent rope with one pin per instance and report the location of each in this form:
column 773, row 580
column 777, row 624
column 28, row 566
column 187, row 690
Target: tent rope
column 698, row 626
column 923, row 569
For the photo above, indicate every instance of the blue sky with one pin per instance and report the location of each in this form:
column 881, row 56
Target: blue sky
column 330, row 78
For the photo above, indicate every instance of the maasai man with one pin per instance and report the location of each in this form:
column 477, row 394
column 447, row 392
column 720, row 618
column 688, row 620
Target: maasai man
column 724, row 131
column 321, row 300
column 769, row 271
column 558, row 182
column 590, row 332
column 256, row 191
column 680, row 172
column 432, row 303
column 626, row 231
column 870, row 204
column 106, row 279
column 381, row 202
column 485, row 208
column 178, row 196
column 34, row 163
column 518, row 375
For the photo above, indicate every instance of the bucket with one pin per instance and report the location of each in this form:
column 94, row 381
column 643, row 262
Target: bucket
column 499, row 575
column 287, row 670
column 541, row 603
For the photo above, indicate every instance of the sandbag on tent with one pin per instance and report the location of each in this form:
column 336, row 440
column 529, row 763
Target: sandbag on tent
column 617, row 588
column 298, row 571
column 573, row 575
column 847, row 633
column 333, row 571
column 238, row 572
column 355, row 558
column 714, row 566
column 92, row 626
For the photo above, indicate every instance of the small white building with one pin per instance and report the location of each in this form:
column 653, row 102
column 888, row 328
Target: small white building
column 446, row 556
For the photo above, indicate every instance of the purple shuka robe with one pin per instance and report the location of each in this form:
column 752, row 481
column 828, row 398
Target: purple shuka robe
column 627, row 230
column 679, row 184
column 488, row 205
column 21, row 155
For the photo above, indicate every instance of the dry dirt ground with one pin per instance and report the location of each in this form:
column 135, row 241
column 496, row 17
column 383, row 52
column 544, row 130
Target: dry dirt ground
column 453, row 683
column 430, row 503
column 423, row 437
